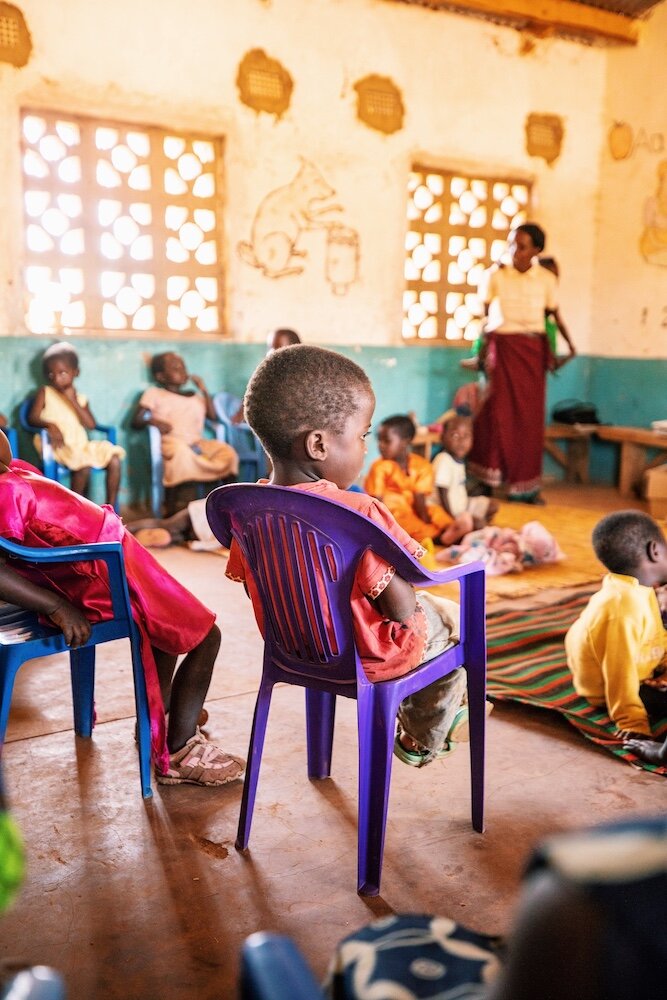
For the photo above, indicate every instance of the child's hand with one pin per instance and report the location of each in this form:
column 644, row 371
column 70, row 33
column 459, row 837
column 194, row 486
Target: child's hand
column 162, row 426
column 74, row 625
column 649, row 750
column 199, row 382
column 55, row 435
column 631, row 734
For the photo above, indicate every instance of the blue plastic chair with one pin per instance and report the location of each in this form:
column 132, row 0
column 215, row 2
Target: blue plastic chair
column 303, row 550
column 13, row 438
column 273, row 968
column 215, row 429
column 50, row 467
column 23, row 638
column 252, row 460
column 36, row 983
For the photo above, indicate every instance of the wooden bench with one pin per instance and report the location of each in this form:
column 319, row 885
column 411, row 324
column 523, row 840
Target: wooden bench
column 575, row 458
column 634, row 442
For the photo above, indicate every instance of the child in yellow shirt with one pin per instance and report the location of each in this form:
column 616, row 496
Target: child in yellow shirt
column 617, row 648
column 404, row 482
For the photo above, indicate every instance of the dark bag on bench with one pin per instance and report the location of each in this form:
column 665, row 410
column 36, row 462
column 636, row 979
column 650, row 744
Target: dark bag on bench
column 574, row 411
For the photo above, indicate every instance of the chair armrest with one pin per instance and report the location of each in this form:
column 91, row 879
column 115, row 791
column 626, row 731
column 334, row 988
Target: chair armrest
column 110, row 553
column 272, row 968
column 217, row 429
column 109, row 430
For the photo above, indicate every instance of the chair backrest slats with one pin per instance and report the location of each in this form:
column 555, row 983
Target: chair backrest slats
column 303, row 551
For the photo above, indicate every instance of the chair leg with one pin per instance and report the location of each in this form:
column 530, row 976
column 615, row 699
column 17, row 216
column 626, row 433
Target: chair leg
column 82, row 670
column 377, row 724
column 320, row 714
column 8, row 672
column 143, row 717
column 254, row 760
column 477, row 716
column 474, row 653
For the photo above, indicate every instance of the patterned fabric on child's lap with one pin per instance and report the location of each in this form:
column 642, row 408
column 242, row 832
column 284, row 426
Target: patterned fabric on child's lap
column 504, row 550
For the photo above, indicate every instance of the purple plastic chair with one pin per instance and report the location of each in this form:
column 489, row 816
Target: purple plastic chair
column 303, row 551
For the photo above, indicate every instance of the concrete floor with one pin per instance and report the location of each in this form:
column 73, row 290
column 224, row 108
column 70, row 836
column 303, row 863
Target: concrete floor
column 131, row 898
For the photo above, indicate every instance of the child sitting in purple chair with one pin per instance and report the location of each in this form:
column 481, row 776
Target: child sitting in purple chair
column 312, row 408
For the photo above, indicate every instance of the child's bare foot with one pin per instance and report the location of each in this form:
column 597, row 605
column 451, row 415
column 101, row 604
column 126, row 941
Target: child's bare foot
column 649, row 750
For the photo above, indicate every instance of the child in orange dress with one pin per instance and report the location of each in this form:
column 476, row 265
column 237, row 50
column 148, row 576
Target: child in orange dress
column 404, row 482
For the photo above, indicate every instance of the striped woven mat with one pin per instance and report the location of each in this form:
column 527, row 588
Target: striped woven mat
column 526, row 663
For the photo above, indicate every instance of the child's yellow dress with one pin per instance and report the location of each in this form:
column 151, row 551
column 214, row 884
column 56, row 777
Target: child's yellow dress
column 397, row 488
column 78, row 450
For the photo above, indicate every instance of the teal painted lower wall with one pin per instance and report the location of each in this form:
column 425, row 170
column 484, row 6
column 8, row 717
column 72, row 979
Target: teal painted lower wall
column 423, row 379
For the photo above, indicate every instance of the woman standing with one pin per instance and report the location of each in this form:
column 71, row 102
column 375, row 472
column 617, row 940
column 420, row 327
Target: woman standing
column 515, row 354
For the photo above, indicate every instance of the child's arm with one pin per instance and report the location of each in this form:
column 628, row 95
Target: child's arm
column 35, row 419
column 397, row 601
column 618, row 646
column 142, row 416
column 17, row 590
column 201, row 385
column 443, row 496
column 421, row 507
column 562, row 328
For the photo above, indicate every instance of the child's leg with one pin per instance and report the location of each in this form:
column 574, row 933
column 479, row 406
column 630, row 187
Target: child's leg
column 189, row 688
column 430, row 718
column 192, row 758
column 113, row 480
column 79, row 480
column 455, row 531
column 165, row 664
column 426, row 717
column 178, row 525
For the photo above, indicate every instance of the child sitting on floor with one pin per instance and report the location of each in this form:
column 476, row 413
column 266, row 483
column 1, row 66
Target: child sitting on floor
column 40, row 513
column 404, row 483
column 180, row 414
column 65, row 414
column 311, row 408
column 617, row 648
column 449, row 471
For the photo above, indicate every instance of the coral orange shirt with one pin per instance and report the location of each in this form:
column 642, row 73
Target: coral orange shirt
column 386, row 648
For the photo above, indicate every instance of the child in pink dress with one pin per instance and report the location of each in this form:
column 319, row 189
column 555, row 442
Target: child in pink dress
column 41, row 513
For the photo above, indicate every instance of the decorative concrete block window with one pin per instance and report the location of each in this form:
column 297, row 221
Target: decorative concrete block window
column 122, row 227
column 458, row 226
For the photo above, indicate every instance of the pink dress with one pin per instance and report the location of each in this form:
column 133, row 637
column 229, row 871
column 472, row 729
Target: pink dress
column 41, row 513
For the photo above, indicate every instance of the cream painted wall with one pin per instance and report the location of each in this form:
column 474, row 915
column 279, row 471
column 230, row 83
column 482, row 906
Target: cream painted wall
column 467, row 88
column 630, row 294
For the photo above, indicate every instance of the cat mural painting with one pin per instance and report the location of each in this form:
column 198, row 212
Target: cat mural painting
column 281, row 218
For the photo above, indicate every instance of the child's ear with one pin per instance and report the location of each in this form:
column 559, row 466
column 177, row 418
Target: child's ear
column 654, row 550
column 315, row 446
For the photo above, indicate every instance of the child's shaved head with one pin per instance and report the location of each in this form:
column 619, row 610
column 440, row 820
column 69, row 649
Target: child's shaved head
column 299, row 389
column 620, row 540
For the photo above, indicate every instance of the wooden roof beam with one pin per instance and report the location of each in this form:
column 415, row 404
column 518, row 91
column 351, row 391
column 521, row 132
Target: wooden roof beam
column 552, row 16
